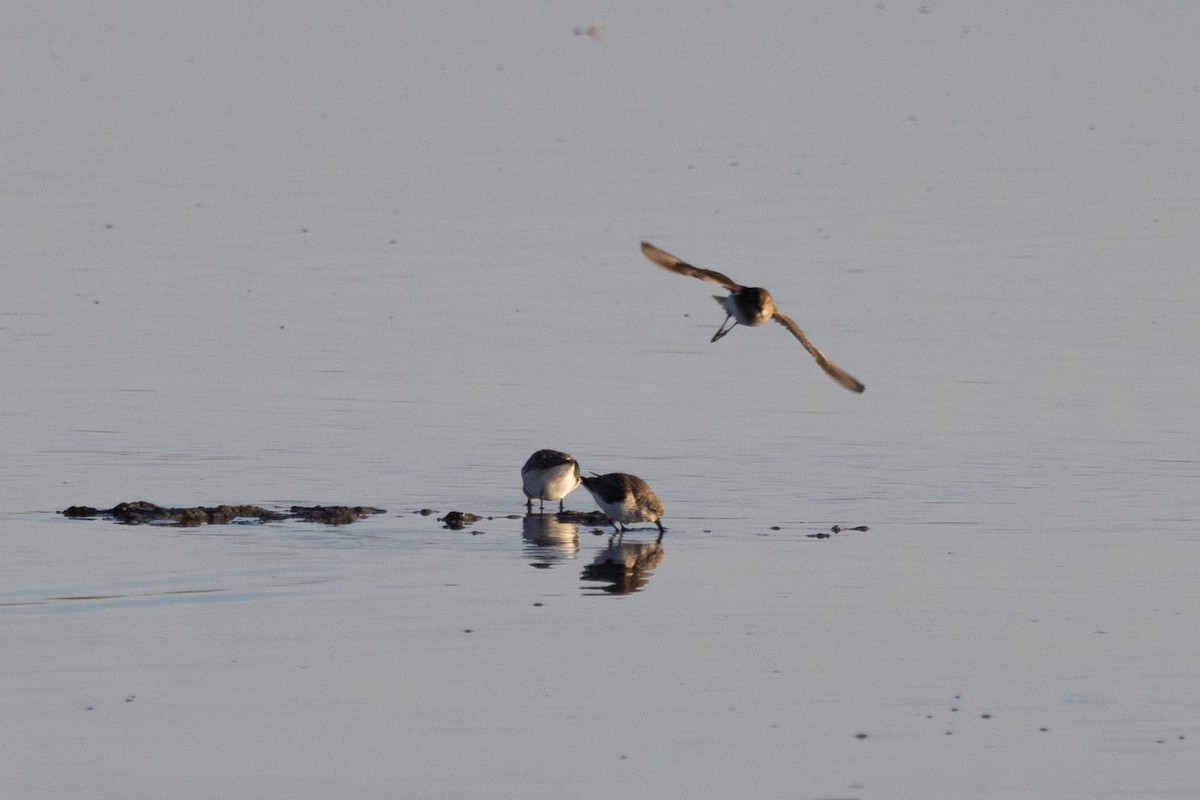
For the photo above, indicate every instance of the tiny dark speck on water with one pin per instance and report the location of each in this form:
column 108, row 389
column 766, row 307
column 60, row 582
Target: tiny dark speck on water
column 860, row 736
column 468, row 630
column 538, row 605
column 774, row 527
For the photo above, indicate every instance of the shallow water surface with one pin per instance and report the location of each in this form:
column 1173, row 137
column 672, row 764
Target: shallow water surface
column 373, row 257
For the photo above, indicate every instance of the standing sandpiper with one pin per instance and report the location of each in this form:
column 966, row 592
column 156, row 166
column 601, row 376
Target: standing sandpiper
column 625, row 498
column 748, row 305
column 549, row 475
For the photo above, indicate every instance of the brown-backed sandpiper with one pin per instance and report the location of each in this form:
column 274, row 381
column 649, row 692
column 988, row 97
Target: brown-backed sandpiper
column 625, row 498
column 748, row 305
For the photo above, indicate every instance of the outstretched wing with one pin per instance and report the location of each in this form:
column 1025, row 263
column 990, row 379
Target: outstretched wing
column 833, row 370
column 668, row 261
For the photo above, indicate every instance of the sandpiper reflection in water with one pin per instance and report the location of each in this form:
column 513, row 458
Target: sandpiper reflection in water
column 549, row 475
column 749, row 305
column 624, row 566
column 625, row 498
column 548, row 539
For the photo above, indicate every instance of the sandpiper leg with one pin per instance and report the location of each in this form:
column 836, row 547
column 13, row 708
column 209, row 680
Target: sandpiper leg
column 723, row 330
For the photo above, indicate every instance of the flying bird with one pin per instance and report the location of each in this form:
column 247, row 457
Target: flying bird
column 748, row 305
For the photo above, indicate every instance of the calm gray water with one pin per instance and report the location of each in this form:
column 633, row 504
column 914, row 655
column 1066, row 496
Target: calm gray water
column 379, row 256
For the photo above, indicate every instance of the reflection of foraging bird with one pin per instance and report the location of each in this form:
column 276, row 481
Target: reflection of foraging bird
column 549, row 475
column 626, row 566
column 548, row 540
column 748, row 305
column 625, row 498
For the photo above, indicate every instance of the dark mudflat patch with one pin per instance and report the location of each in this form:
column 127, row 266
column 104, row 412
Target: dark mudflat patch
column 141, row 512
column 584, row 517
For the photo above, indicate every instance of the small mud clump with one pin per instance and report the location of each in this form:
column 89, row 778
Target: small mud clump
column 457, row 520
column 141, row 512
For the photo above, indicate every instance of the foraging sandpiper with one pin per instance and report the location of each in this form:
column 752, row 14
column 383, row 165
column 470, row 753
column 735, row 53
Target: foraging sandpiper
column 549, row 475
column 625, row 498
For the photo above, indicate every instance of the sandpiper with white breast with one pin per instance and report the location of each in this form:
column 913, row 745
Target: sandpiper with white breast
column 748, row 305
column 625, row 499
column 549, row 475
